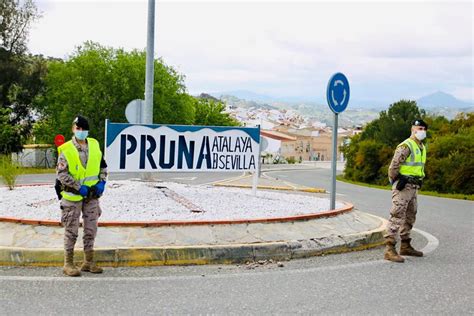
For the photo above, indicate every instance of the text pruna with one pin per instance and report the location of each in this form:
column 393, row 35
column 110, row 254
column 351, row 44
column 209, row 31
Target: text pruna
column 210, row 152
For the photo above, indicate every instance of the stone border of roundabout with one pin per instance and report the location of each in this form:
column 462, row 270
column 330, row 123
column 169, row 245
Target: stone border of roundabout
column 348, row 208
column 206, row 242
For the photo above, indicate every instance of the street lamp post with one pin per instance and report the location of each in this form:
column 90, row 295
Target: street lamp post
column 147, row 117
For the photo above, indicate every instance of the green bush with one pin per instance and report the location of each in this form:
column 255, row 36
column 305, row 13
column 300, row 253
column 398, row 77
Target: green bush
column 450, row 145
column 9, row 171
column 279, row 160
column 369, row 154
column 449, row 167
column 367, row 158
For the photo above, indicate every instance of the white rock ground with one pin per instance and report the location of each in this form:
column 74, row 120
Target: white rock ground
column 147, row 201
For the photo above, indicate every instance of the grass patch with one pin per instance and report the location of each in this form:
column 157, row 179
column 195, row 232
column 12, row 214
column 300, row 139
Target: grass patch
column 375, row 186
column 9, row 171
column 457, row 196
column 31, row 170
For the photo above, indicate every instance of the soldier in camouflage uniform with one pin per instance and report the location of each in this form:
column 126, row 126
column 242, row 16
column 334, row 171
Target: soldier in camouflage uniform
column 81, row 176
column 405, row 173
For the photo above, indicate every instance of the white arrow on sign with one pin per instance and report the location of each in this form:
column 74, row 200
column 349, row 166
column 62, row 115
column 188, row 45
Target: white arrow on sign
column 334, row 98
column 344, row 98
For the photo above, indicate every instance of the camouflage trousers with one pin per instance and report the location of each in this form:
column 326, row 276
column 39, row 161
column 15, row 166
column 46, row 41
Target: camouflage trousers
column 403, row 212
column 70, row 213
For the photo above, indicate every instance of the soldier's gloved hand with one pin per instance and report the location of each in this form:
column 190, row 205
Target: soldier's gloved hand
column 100, row 187
column 84, row 190
column 58, row 188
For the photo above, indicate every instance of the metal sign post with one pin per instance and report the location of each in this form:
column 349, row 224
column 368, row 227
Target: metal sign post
column 256, row 173
column 334, row 162
column 337, row 94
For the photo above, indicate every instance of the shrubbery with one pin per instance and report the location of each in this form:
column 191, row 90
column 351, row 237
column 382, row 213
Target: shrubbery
column 368, row 154
column 9, row 171
column 450, row 165
column 450, row 144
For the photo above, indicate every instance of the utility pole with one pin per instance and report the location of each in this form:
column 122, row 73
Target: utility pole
column 147, row 117
column 147, row 106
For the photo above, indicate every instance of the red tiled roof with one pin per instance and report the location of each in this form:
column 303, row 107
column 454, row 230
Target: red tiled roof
column 276, row 135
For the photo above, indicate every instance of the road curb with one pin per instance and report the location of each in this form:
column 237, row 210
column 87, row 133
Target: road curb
column 202, row 254
column 269, row 187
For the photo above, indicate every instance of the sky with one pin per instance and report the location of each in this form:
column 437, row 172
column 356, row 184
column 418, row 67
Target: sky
column 388, row 50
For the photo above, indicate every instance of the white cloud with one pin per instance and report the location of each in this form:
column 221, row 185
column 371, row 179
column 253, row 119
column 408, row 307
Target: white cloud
column 399, row 48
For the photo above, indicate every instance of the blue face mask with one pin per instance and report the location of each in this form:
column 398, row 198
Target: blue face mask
column 81, row 135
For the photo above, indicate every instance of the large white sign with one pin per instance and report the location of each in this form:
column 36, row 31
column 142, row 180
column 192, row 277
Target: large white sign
column 148, row 148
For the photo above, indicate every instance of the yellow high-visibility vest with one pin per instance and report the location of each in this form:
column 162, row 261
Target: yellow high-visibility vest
column 414, row 165
column 89, row 175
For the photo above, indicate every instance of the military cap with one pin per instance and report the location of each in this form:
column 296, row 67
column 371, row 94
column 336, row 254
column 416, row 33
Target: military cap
column 81, row 122
column 420, row 123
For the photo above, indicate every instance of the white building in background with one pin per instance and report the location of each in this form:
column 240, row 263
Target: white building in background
column 271, row 144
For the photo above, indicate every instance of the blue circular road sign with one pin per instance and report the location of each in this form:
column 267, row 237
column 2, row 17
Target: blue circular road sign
column 338, row 93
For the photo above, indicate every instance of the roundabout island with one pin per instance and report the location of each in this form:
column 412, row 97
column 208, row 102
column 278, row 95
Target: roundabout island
column 147, row 223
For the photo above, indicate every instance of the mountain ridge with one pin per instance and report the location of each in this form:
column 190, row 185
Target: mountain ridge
column 438, row 99
column 441, row 99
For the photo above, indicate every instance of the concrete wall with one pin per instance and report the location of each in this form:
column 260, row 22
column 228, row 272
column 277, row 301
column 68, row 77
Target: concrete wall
column 38, row 156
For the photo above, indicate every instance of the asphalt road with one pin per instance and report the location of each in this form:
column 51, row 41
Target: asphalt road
column 354, row 283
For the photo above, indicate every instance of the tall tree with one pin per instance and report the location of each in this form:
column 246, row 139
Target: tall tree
column 211, row 112
column 98, row 82
column 15, row 22
column 20, row 74
column 393, row 126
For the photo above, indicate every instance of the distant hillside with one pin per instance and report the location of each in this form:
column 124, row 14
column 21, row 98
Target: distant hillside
column 285, row 101
column 232, row 100
column 262, row 98
column 438, row 103
column 309, row 110
column 245, row 95
column 441, row 100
